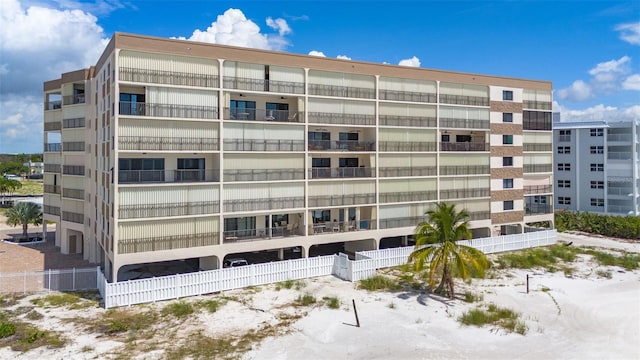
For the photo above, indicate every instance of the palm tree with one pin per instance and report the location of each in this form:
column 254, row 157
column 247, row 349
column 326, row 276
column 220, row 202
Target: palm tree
column 24, row 213
column 436, row 246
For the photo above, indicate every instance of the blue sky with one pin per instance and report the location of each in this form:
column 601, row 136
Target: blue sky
column 590, row 50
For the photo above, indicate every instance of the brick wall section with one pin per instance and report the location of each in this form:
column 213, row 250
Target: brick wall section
column 506, row 173
column 505, row 128
column 502, row 195
column 506, row 151
column 505, row 106
column 507, row 217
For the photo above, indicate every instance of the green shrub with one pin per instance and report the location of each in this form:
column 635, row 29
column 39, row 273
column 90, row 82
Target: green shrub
column 332, row 302
column 494, row 315
column 625, row 227
column 34, row 315
column 210, row 305
column 178, row 309
column 379, row 282
column 7, row 329
column 471, row 297
column 305, row 300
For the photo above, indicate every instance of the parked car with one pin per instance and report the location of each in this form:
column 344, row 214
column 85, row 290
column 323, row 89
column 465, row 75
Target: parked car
column 235, row 262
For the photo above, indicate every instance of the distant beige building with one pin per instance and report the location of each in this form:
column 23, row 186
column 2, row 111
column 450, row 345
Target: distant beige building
column 170, row 149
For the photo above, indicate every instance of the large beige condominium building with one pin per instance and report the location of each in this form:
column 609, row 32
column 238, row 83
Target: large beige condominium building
column 170, row 149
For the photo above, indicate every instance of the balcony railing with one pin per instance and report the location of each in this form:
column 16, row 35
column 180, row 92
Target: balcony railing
column 263, row 174
column 77, row 170
column 539, row 105
column 263, row 204
column 536, row 209
column 537, row 147
column 73, row 193
column 73, row 217
column 341, row 172
column 464, row 100
column 620, row 191
column 340, row 200
column 619, row 137
column 52, row 210
column 536, row 168
column 168, row 176
column 407, row 146
column 465, row 170
column 464, row 146
column 406, row 96
column 464, row 123
column 168, row 209
column 537, row 124
column 263, row 145
column 408, row 171
column 52, row 147
column 620, row 209
column 348, row 145
column 52, row 168
column 407, row 196
column 73, row 146
column 619, row 155
column 276, row 86
column 341, row 118
column 53, row 105
column 170, row 242
column 263, row 115
column 479, row 215
column 73, row 123
column 167, row 143
column 401, row 222
column 73, row 99
column 52, row 189
column 168, row 77
column 52, row 126
column 538, row 189
column 342, row 91
column 465, row 193
column 168, row 110
column 411, row 121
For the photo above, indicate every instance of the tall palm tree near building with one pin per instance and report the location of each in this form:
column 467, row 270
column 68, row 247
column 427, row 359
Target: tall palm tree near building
column 437, row 249
column 24, row 213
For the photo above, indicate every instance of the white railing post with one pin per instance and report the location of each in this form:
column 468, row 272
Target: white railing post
column 49, row 285
column 74, row 279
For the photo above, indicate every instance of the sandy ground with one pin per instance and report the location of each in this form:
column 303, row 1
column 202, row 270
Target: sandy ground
column 585, row 316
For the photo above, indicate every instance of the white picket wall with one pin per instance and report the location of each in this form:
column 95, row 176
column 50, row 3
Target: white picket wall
column 49, row 280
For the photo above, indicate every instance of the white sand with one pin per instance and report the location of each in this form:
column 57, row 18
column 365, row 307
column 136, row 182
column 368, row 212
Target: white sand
column 582, row 317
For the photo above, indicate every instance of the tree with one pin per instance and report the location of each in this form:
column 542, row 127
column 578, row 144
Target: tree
column 8, row 186
column 436, row 247
column 24, row 213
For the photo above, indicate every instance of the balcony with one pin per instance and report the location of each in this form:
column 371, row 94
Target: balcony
column 411, row 96
column 263, row 145
column 73, row 146
column 77, row 170
column 621, row 209
column 619, row 137
column 73, row 193
column 73, row 99
column 408, row 196
column 52, row 147
column 465, row 193
column 401, row 222
column 414, row 146
column 169, row 242
column 341, row 200
column 167, row 77
column 538, row 105
column 538, row 209
column 620, row 191
column 263, row 115
column 320, row 228
column 530, row 124
column 263, row 204
column 51, row 189
column 168, row 110
column 619, row 155
column 342, row 91
column 543, row 147
column 464, row 123
column 52, row 168
column 538, row 189
column 52, row 126
column 341, row 145
column 168, row 209
column 341, row 172
column 51, row 210
column 341, row 118
column 538, row 168
column 167, row 143
column 464, row 146
column 409, row 121
column 167, row 176
column 263, row 175
column 53, row 105
column 263, row 233
column 73, row 217
column 407, row 171
column 276, row 86
column 464, row 100
column 479, row 215
column 464, row 170
column 73, row 123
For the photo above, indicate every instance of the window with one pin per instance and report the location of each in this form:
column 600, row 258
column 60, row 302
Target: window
column 596, row 149
column 507, row 205
column 507, row 117
column 597, row 184
column 564, row 166
column 132, row 104
column 564, row 200
column 243, row 110
column 597, row 202
column 347, row 140
column 190, row 170
column 597, row 167
column 507, row 183
column 140, row 170
column 565, row 135
column 507, row 161
column 446, row 138
column 348, row 162
column 319, row 140
column 507, row 95
column 596, row 132
column 277, row 112
column 463, row 138
column 564, row 149
column 564, row 183
column 321, row 167
column 507, row 139
column 321, row 162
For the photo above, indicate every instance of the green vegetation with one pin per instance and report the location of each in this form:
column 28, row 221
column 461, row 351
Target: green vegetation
column 178, row 309
column 24, row 213
column 7, row 329
column 122, row 320
column 603, row 273
column 332, row 302
column 209, row 305
column 30, row 187
column 289, row 284
column 445, row 257
column 379, row 282
column 494, row 315
column 625, row 227
column 471, row 297
column 71, row 300
column 305, row 300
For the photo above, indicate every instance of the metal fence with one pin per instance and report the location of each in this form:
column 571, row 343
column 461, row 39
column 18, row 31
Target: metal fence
column 50, row 280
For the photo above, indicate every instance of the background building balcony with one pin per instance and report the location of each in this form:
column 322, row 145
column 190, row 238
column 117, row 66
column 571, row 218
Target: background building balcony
column 168, row 209
column 464, row 146
column 464, row 123
column 170, row 242
column 263, row 115
column 167, row 143
column 263, row 204
column 52, row 189
column 167, row 77
column 408, row 171
column 537, row 147
column 73, row 193
column 464, row 170
column 73, row 217
column 408, row 196
column 465, row 193
column 168, row 110
column 263, row 145
column 407, row 146
column 538, row 105
column 263, row 174
column 411, row 96
column 537, row 168
column 464, row 100
column 51, row 210
column 341, row 172
column 277, row 86
column 341, row 200
column 409, row 121
column 167, row 176
column 538, row 189
column 52, row 147
column 73, row 99
column 341, row 118
column 341, row 145
column 536, row 209
column 341, row 91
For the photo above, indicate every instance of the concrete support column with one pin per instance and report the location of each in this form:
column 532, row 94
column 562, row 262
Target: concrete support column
column 44, row 230
column 64, row 241
column 281, row 254
column 58, row 234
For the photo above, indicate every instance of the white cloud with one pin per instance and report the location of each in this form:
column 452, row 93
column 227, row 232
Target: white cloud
column 413, row 62
column 343, row 57
column 606, row 76
column 578, row 91
column 233, row 28
column 598, row 112
column 630, row 32
column 317, row 53
column 632, row 82
column 21, row 124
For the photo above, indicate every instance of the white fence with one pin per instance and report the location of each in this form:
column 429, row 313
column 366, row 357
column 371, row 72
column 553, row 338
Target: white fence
column 50, row 280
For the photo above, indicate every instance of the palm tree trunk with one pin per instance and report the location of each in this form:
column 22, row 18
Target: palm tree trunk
column 25, row 235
